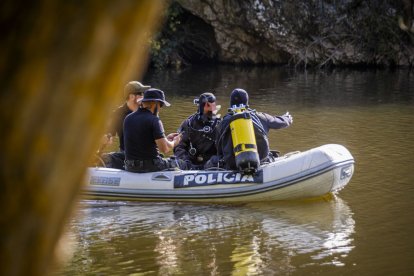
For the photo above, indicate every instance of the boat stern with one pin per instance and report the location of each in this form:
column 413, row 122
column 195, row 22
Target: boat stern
column 345, row 165
column 343, row 175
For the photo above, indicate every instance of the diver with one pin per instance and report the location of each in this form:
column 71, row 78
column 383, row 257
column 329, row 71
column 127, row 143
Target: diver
column 253, row 152
column 199, row 131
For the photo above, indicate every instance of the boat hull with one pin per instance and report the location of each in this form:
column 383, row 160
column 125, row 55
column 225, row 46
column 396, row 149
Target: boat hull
column 308, row 174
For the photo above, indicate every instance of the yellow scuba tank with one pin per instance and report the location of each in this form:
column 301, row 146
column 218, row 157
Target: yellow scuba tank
column 244, row 140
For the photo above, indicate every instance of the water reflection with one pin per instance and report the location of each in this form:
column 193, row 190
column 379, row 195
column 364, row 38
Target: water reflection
column 283, row 86
column 370, row 112
column 171, row 238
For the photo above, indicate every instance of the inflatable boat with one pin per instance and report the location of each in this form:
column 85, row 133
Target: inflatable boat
column 296, row 175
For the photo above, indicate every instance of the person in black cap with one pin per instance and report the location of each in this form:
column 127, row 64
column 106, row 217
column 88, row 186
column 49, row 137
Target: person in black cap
column 133, row 93
column 199, row 131
column 144, row 137
column 262, row 123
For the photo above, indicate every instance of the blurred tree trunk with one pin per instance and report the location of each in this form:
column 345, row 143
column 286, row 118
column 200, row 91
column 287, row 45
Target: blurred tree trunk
column 63, row 65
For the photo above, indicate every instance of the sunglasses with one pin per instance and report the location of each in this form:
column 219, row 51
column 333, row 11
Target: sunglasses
column 139, row 94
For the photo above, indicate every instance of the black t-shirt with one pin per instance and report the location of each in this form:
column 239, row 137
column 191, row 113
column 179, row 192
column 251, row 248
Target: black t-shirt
column 141, row 129
column 117, row 121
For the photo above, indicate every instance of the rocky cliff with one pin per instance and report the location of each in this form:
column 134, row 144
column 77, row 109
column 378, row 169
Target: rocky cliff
column 315, row 32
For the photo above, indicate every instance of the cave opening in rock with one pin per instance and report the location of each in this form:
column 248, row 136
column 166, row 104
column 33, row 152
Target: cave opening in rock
column 184, row 39
column 199, row 45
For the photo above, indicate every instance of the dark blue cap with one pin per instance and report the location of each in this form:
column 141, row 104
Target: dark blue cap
column 155, row 95
column 239, row 96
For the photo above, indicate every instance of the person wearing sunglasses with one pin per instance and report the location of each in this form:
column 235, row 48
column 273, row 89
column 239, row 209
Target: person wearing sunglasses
column 199, row 130
column 133, row 94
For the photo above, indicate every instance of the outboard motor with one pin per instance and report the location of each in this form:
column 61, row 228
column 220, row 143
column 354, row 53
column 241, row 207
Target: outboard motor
column 244, row 140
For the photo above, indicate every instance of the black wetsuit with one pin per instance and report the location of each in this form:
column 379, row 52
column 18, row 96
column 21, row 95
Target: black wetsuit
column 197, row 145
column 262, row 123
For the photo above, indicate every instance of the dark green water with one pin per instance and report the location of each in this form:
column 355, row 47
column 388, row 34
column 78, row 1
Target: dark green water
column 366, row 229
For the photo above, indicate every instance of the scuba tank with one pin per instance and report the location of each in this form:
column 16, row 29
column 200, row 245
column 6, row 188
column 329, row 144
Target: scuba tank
column 244, row 140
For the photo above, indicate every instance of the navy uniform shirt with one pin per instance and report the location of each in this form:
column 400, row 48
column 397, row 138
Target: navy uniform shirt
column 141, row 129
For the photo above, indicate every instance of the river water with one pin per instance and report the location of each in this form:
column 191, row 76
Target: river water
column 365, row 229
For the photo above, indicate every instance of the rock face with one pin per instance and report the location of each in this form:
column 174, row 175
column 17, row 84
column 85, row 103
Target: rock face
column 314, row 32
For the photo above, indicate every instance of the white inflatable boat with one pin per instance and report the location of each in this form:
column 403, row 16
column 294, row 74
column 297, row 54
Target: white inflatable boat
column 308, row 174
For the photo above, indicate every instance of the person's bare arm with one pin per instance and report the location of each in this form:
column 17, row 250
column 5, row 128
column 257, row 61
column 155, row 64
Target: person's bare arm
column 165, row 145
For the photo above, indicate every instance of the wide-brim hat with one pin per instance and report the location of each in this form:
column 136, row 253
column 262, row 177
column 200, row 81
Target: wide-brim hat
column 155, row 95
column 134, row 87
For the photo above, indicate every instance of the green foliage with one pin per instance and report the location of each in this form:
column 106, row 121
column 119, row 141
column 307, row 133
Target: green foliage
column 165, row 45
